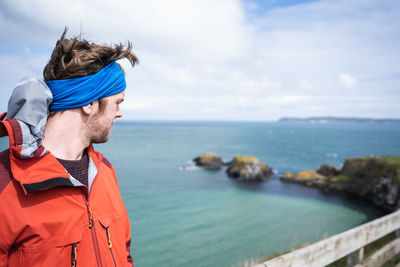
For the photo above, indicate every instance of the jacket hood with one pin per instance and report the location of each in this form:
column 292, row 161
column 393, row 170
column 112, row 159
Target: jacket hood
column 29, row 105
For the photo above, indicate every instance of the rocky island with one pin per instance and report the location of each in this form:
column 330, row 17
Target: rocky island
column 374, row 178
column 248, row 168
column 209, row 160
column 242, row 168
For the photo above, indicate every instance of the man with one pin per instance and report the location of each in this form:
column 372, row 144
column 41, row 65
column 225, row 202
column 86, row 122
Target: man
column 60, row 202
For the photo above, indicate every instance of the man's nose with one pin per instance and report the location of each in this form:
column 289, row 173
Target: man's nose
column 119, row 113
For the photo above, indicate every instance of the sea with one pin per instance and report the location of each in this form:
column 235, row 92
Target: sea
column 182, row 215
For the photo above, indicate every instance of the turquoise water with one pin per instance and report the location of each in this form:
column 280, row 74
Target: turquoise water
column 195, row 217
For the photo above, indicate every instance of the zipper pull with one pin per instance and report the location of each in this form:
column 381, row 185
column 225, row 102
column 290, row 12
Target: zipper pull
column 109, row 237
column 90, row 216
column 89, row 210
column 73, row 255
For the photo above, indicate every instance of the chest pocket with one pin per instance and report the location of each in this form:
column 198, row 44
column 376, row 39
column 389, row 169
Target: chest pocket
column 59, row 251
column 112, row 239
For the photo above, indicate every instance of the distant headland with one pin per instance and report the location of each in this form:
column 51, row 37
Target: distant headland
column 337, row 119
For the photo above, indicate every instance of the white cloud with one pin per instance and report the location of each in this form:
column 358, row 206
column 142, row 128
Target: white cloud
column 140, row 104
column 347, row 80
column 306, row 84
column 211, row 59
column 183, row 29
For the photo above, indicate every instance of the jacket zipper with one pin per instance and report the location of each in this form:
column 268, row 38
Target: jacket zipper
column 110, row 244
column 93, row 232
column 73, row 255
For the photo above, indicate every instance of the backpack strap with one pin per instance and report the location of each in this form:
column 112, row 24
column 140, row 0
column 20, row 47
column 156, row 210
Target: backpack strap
column 3, row 129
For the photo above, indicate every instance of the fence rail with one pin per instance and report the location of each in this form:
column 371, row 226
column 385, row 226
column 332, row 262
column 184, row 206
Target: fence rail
column 350, row 243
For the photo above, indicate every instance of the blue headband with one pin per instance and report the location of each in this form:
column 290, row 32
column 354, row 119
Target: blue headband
column 78, row 92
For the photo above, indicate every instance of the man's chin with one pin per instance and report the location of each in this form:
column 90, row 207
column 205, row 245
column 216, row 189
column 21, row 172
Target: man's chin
column 100, row 140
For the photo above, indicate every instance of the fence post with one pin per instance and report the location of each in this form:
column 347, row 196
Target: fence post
column 397, row 234
column 355, row 257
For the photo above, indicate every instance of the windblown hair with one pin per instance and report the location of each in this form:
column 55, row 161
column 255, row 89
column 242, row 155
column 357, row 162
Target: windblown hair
column 76, row 57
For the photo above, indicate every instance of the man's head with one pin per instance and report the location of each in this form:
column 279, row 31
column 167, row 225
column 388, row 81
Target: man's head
column 77, row 58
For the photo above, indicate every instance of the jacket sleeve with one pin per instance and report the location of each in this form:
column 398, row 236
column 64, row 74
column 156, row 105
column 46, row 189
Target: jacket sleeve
column 10, row 225
column 128, row 238
column 3, row 259
column 128, row 244
column 9, row 208
column 127, row 228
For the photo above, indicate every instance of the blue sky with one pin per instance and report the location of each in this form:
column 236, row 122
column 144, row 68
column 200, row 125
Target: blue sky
column 228, row 59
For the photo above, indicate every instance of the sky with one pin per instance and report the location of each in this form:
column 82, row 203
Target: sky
column 248, row 60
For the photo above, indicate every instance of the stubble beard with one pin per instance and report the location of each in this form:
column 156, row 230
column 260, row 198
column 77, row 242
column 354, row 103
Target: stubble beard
column 99, row 138
column 98, row 127
column 97, row 131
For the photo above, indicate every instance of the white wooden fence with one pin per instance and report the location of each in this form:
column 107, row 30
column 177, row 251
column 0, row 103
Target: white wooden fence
column 350, row 243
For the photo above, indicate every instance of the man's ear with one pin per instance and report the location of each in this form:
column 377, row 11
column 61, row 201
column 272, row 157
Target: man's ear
column 89, row 108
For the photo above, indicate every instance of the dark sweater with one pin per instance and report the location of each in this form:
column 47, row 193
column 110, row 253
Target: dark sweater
column 77, row 168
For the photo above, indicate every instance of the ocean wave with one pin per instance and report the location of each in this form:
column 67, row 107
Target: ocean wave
column 191, row 166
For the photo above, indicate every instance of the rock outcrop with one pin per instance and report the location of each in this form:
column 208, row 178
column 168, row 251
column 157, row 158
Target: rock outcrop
column 308, row 178
column 209, row 160
column 374, row 178
column 372, row 167
column 328, row 170
column 248, row 168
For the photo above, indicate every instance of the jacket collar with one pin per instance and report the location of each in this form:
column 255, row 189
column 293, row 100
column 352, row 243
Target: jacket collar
column 42, row 171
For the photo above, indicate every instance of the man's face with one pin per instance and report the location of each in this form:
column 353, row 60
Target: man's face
column 99, row 125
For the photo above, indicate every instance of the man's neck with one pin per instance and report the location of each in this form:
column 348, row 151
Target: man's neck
column 64, row 136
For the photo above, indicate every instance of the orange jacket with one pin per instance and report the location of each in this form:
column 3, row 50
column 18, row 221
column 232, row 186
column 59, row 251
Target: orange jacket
column 47, row 219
